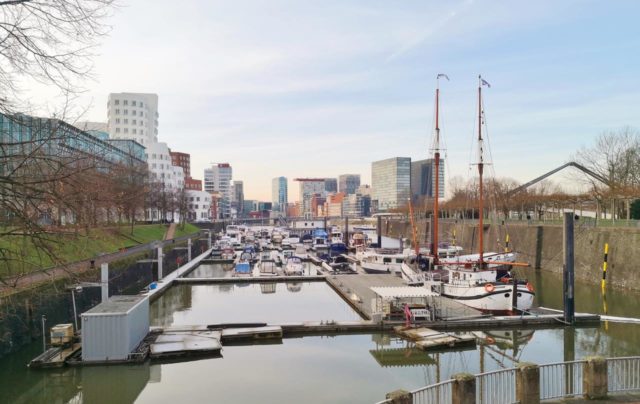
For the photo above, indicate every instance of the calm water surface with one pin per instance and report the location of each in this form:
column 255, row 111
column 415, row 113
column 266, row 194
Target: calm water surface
column 340, row 369
column 273, row 303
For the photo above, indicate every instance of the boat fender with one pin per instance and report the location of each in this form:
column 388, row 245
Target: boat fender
column 489, row 287
column 529, row 287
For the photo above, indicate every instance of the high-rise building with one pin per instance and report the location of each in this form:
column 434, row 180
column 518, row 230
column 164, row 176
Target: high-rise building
column 422, row 178
column 391, row 182
column 348, row 183
column 356, row 205
column 279, row 197
column 218, row 179
column 133, row 116
column 308, row 188
column 330, row 185
column 238, row 196
column 181, row 160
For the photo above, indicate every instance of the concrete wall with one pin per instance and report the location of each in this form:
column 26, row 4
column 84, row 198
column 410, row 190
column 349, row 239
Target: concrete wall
column 542, row 247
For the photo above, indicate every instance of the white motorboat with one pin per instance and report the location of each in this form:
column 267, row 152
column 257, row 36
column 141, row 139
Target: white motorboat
column 382, row 260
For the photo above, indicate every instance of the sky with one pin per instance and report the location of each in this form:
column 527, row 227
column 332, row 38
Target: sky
column 322, row 88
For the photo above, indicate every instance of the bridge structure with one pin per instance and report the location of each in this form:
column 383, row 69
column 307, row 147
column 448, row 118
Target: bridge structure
column 580, row 167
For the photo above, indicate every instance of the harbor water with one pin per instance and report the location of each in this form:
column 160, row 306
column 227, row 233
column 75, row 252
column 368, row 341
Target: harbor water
column 314, row 369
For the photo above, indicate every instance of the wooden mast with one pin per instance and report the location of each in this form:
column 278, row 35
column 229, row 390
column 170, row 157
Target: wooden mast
column 480, row 171
column 413, row 229
column 436, row 175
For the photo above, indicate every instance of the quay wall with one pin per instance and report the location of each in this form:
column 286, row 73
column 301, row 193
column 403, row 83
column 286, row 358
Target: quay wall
column 542, row 246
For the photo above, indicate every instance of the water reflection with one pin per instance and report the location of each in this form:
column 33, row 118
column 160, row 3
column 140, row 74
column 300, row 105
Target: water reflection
column 226, row 270
column 249, row 302
column 360, row 368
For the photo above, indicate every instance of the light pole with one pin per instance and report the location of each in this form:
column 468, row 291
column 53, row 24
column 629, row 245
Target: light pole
column 44, row 333
column 73, row 299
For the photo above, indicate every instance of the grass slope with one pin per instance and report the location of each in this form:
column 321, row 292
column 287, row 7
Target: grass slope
column 20, row 255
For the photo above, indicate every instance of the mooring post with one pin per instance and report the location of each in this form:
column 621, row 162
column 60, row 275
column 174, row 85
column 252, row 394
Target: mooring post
column 527, row 383
column 189, row 250
column 325, row 223
column 346, row 231
column 104, row 281
column 514, row 295
column 159, row 262
column 209, row 238
column 595, row 383
column 568, row 278
column 379, row 228
column 463, row 390
column 400, row 397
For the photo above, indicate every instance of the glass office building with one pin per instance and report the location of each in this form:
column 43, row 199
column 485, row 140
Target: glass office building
column 391, row 182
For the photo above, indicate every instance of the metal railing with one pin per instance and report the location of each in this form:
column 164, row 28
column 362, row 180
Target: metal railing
column 436, row 393
column 557, row 380
column 496, row 387
column 563, row 379
column 623, row 374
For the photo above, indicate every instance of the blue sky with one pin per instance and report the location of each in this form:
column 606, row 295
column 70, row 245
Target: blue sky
column 322, row 88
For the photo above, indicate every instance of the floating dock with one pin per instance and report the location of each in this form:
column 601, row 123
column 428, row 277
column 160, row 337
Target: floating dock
column 54, row 357
column 428, row 339
column 179, row 344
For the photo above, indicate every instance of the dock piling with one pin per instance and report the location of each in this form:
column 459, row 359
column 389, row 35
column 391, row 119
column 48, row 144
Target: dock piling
column 379, row 228
column 104, row 281
column 568, row 277
column 159, row 263
column 189, row 250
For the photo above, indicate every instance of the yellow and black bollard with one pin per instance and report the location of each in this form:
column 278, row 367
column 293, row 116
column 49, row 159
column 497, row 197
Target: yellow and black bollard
column 604, row 266
column 506, row 243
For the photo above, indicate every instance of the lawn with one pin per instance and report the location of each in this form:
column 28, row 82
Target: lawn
column 22, row 255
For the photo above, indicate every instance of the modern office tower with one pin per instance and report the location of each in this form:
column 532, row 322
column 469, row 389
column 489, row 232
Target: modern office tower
column 330, row 185
column 348, row 183
column 422, row 178
column 279, row 197
column 218, row 179
column 308, row 188
column 391, row 182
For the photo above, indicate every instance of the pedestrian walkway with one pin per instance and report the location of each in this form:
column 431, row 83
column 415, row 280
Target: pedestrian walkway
column 170, row 231
column 612, row 398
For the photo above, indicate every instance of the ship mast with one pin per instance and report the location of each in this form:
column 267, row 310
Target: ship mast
column 480, row 172
column 436, row 173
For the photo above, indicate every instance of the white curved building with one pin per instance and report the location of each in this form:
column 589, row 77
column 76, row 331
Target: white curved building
column 133, row 116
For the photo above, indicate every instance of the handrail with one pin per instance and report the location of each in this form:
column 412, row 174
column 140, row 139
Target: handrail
column 557, row 380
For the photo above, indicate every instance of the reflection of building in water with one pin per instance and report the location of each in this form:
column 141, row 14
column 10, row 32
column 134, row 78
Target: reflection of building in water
column 268, row 287
column 113, row 384
column 294, row 286
column 177, row 298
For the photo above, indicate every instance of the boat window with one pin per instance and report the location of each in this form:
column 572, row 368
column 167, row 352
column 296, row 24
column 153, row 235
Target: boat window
column 386, row 260
column 399, row 260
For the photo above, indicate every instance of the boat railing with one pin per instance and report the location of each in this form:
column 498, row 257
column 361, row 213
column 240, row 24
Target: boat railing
column 555, row 380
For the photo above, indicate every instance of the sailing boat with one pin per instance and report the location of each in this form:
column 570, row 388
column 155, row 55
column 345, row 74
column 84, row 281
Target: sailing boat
column 482, row 281
column 413, row 267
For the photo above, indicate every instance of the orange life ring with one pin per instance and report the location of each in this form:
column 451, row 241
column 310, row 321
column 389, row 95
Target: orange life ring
column 489, row 287
column 529, row 287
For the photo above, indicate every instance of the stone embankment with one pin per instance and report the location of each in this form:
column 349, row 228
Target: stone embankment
column 542, row 246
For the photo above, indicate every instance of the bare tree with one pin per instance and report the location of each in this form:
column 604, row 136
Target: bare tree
column 51, row 42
